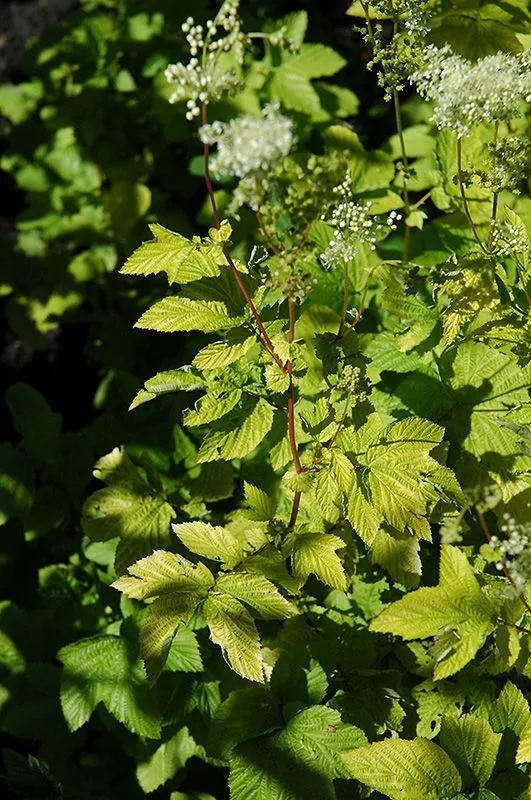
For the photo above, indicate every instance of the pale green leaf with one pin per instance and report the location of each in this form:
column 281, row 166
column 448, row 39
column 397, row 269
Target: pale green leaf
column 362, row 515
column 164, row 572
column 127, row 508
column 165, row 616
column 398, row 554
column 181, row 313
column 472, row 745
column 239, row 433
column 523, row 754
column 263, row 506
column 415, row 769
column 209, row 541
column 233, row 629
column 222, row 354
column 510, row 710
column 259, row 593
column 211, row 407
column 317, row 736
column 327, row 494
column 315, row 553
column 181, row 259
column 173, row 380
column 184, row 654
column 456, row 609
column 315, row 61
column 103, row 669
column 166, row 760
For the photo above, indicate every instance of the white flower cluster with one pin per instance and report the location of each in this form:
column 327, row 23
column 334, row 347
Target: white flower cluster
column 204, row 79
column 467, row 94
column 416, row 20
column 515, row 551
column 353, row 226
column 510, row 240
column 250, row 145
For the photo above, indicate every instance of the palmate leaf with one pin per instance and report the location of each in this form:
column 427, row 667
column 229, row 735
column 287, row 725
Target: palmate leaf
column 415, row 769
column 178, row 587
column 472, row 745
column 127, row 508
column 102, row 669
column 456, row 608
column 181, row 259
column 233, row 629
column 396, row 479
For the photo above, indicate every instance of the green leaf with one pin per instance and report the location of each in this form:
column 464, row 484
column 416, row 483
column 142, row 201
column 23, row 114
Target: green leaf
column 476, row 30
column 181, row 259
column 33, row 418
column 127, row 202
column 165, row 616
column 127, row 508
column 523, row 754
column 362, row 515
column 233, row 629
column 317, row 736
column 245, row 714
column 239, row 433
column 222, row 354
column 16, row 483
column 456, row 609
column 184, row 654
column 211, row 407
column 510, row 711
column 172, row 380
column 398, row 553
column 398, row 768
column 263, row 506
column 184, row 314
column 472, row 745
column 164, row 572
column 102, row 669
column 18, row 102
column 316, row 553
column 315, row 61
column 259, row 593
column 211, row 542
column 166, row 760
column 327, row 494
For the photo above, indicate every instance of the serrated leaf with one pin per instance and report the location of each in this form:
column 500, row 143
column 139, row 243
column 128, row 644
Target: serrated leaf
column 211, row 407
column 172, row 380
column 362, row 515
column 184, row 654
column 103, row 669
column 398, row 768
column 164, row 572
column 317, row 736
column 523, row 754
column 398, row 554
column 216, row 543
column 472, row 745
column 315, row 61
column 166, row 760
column 222, row 354
column 315, row 553
column 327, row 494
column 165, row 616
column 33, row 418
column 239, row 433
column 245, row 714
column 456, row 607
column 181, row 259
column 233, row 629
column 263, row 506
column 510, row 710
column 259, row 593
column 16, row 483
column 185, row 314
column 127, row 508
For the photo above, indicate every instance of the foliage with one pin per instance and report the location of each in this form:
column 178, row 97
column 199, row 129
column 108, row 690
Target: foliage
column 303, row 569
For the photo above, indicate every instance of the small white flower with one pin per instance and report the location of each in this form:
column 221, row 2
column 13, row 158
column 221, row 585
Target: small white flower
column 466, row 93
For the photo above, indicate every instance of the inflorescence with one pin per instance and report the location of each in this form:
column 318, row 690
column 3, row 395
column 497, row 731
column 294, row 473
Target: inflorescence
column 466, row 93
column 514, row 551
column 205, row 78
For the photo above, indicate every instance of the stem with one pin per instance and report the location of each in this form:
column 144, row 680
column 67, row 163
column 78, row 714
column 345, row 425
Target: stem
column 291, row 415
column 265, row 233
column 405, row 165
column 494, row 196
column 339, row 425
column 463, row 195
column 345, row 300
column 266, row 341
column 359, row 312
column 506, row 572
column 522, row 281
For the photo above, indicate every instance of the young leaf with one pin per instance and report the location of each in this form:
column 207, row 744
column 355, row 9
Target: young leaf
column 181, row 313
column 316, row 553
column 472, row 745
column 259, row 593
column 233, row 629
column 211, row 542
column 173, row 380
column 181, row 259
column 127, row 508
column 222, row 354
column 398, row 768
column 184, row 654
column 456, row 608
column 239, row 433
column 263, row 506
column 102, row 669
column 510, row 710
column 211, row 407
